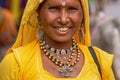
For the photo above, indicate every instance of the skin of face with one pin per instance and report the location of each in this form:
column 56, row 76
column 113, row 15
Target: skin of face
column 60, row 22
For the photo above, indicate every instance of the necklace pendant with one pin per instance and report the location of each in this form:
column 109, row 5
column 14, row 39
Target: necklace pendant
column 63, row 52
column 66, row 70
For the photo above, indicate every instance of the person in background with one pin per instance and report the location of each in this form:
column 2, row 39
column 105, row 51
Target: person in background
column 52, row 44
column 107, row 38
column 8, row 31
column 105, row 35
column 5, row 4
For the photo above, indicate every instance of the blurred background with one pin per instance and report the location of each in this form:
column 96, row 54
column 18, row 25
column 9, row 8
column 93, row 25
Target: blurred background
column 10, row 15
column 104, row 26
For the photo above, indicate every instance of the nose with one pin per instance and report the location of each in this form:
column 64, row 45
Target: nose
column 63, row 18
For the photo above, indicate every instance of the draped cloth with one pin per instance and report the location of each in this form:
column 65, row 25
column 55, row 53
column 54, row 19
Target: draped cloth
column 28, row 27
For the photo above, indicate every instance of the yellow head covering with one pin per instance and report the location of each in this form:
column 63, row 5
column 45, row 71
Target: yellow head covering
column 28, row 27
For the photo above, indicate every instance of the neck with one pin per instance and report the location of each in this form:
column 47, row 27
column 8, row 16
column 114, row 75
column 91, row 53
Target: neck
column 57, row 44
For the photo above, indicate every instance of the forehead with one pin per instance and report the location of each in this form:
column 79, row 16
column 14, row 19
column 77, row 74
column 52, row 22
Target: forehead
column 60, row 2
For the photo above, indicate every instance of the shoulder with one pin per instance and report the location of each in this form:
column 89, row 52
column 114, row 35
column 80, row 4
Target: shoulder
column 9, row 67
column 103, row 55
column 105, row 60
column 8, row 60
column 24, row 53
column 16, row 61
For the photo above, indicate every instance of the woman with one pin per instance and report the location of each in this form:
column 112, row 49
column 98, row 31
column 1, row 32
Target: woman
column 57, row 53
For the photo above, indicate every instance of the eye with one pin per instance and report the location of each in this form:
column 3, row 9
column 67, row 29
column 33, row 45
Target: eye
column 73, row 9
column 53, row 8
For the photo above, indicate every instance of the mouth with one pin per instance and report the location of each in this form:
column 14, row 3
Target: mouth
column 63, row 29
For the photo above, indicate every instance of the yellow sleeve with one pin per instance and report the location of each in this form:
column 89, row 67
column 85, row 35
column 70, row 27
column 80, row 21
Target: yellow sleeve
column 105, row 60
column 111, row 75
column 9, row 69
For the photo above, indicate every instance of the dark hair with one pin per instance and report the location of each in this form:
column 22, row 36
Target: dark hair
column 40, row 6
column 82, row 11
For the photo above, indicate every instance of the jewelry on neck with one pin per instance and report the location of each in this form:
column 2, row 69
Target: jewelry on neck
column 59, row 51
column 66, row 68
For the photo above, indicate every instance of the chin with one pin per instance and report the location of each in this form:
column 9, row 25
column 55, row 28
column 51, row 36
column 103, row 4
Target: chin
column 62, row 39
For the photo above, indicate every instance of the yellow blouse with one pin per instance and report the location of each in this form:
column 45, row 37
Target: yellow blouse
column 25, row 63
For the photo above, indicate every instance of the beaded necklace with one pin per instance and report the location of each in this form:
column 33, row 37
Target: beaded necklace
column 66, row 68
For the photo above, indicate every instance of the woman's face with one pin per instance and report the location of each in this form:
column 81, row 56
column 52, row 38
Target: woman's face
column 60, row 19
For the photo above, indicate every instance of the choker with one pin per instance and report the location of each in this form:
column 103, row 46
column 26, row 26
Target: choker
column 66, row 68
column 60, row 52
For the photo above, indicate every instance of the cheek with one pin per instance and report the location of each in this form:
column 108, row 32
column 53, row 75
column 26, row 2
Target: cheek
column 47, row 20
column 48, row 17
column 77, row 18
column 77, row 21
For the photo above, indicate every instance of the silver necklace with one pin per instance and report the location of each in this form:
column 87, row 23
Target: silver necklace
column 59, row 52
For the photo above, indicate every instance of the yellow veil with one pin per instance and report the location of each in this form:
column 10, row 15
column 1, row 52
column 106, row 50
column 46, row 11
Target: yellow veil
column 28, row 27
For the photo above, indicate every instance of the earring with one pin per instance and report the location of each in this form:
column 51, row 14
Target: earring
column 39, row 24
column 39, row 29
column 81, row 32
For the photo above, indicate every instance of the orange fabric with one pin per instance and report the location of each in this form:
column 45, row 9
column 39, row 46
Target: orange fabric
column 8, row 29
